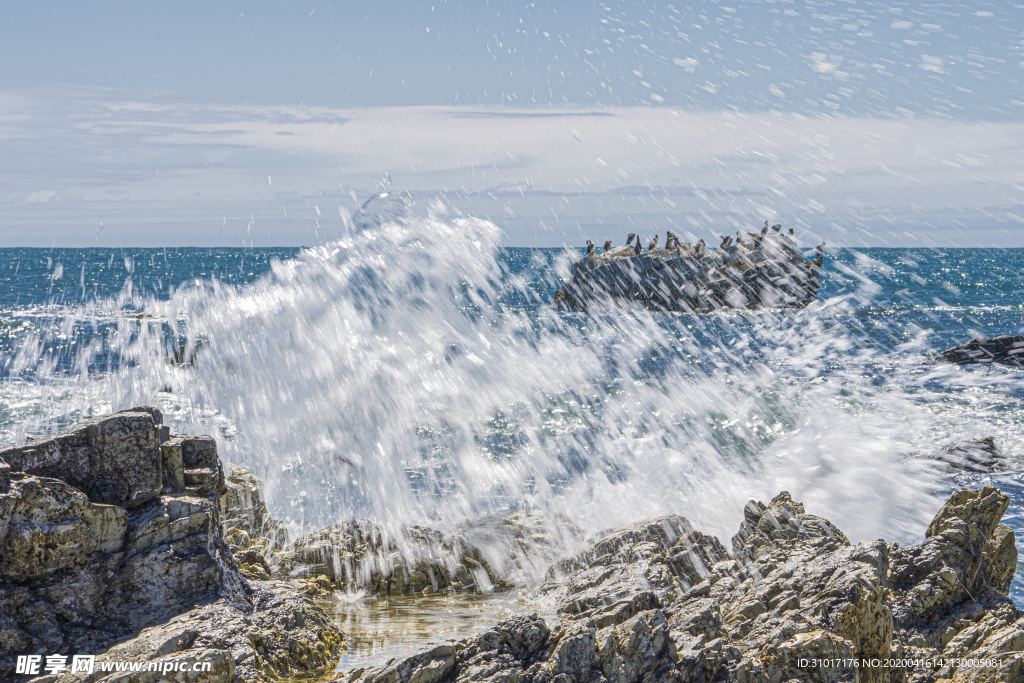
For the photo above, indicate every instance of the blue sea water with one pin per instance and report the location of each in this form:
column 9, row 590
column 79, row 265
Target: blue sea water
column 780, row 398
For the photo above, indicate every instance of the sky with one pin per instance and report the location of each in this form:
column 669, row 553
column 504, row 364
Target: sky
column 265, row 124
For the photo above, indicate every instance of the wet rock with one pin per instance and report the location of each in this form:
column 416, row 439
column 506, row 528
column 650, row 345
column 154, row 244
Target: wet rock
column 244, row 517
column 113, row 459
column 793, row 591
column 976, row 455
column 358, row 555
column 79, row 575
column 279, row 634
column 1005, row 350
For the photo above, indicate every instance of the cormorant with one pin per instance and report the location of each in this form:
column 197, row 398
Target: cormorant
column 700, row 246
column 653, row 243
column 671, row 241
column 590, row 248
column 790, row 232
column 820, row 251
column 629, row 240
column 638, row 248
column 607, row 247
column 777, row 227
column 726, row 241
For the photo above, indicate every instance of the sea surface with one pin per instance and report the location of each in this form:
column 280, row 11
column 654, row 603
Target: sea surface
column 418, row 374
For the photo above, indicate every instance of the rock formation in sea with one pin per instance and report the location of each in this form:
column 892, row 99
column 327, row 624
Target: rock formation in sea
column 1005, row 350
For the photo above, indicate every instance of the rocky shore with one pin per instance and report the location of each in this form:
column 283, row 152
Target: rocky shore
column 111, row 544
column 793, row 601
column 120, row 540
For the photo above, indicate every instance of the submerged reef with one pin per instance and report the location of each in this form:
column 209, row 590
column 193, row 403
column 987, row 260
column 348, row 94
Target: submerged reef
column 120, row 540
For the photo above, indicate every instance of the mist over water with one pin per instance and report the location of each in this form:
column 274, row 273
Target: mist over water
column 415, row 373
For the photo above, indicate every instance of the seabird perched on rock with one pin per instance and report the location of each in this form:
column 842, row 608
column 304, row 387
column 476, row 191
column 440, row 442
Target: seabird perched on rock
column 790, row 232
column 726, row 241
column 820, row 251
column 638, row 247
column 629, row 240
column 607, row 247
column 652, row 244
column 777, row 227
column 700, row 246
column 670, row 240
column 590, row 248
column 739, row 237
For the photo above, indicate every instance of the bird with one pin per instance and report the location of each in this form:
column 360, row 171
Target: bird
column 790, row 232
column 629, row 240
column 638, row 249
column 607, row 247
column 726, row 241
column 700, row 246
column 739, row 237
column 820, row 251
column 653, row 244
column 590, row 248
column 671, row 242
column 777, row 227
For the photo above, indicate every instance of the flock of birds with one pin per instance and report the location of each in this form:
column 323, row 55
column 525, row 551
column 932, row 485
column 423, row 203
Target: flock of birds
column 751, row 241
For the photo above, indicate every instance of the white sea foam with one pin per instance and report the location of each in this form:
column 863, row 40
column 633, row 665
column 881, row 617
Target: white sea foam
column 380, row 377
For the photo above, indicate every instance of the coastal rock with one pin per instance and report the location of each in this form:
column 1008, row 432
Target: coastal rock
column 976, row 455
column 79, row 575
column 278, row 634
column 113, row 459
column 358, row 555
column 1005, row 350
column 662, row 602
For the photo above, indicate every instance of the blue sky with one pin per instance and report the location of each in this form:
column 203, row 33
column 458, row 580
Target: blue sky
column 878, row 123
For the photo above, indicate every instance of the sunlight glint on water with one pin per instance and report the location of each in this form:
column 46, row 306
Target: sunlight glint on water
column 406, row 375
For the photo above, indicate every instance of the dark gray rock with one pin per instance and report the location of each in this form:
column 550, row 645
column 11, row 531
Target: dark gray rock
column 1005, row 350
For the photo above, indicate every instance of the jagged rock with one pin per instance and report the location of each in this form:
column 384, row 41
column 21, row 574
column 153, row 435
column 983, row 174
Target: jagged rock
column 47, row 526
column 357, row 555
column 1006, row 350
column 278, row 634
column 192, row 465
column 794, row 589
column 976, row 455
column 244, row 517
column 113, row 459
column 767, row 273
column 78, row 575
column 636, row 568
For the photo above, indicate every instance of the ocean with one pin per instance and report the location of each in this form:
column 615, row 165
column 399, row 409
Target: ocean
column 416, row 373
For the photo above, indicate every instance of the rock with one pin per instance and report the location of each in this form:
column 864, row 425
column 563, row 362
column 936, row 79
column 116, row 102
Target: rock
column 80, row 575
column 662, row 602
column 1006, row 350
column 193, row 466
column 113, row 459
column 770, row 275
column 279, row 634
column 356, row 555
column 47, row 526
column 244, row 517
column 976, row 455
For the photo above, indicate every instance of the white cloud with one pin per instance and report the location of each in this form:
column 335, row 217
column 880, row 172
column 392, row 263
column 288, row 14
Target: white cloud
column 558, row 167
column 40, row 196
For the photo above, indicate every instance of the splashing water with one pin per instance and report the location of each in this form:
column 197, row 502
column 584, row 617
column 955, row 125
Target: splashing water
column 411, row 374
